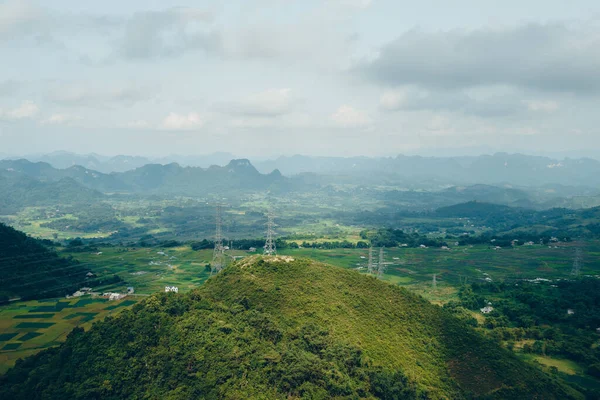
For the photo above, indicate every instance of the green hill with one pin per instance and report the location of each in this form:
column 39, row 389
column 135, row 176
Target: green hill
column 278, row 328
column 31, row 270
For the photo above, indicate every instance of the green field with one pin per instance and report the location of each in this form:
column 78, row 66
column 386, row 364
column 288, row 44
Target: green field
column 23, row 332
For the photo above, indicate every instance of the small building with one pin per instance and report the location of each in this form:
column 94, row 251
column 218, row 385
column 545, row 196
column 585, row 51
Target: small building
column 570, row 311
column 130, row 290
column 422, row 246
column 85, row 289
column 89, row 274
column 529, row 244
column 445, row 248
column 114, row 296
column 252, row 249
column 487, row 309
column 173, row 289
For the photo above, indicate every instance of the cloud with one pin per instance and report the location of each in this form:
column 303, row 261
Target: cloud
column 269, row 103
column 543, row 106
column 352, row 4
column 350, row 117
column 27, row 110
column 414, row 98
column 182, row 122
column 549, row 57
column 9, row 87
column 99, row 97
column 139, row 124
column 18, row 18
column 60, row 119
column 167, row 33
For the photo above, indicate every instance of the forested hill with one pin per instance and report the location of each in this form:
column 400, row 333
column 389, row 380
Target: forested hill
column 30, row 270
column 278, row 328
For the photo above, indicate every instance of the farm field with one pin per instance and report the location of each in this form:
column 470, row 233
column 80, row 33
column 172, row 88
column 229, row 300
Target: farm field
column 150, row 269
column 28, row 327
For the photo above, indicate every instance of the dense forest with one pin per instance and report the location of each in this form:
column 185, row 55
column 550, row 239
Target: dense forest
column 275, row 328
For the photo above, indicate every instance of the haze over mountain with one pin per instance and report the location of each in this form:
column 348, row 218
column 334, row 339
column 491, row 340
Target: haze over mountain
column 499, row 168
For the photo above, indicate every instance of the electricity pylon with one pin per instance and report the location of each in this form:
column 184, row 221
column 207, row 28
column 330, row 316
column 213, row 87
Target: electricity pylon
column 218, row 260
column 380, row 266
column 370, row 265
column 576, row 262
column 269, row 247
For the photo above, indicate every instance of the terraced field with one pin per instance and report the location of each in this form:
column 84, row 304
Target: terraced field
column 27, row 327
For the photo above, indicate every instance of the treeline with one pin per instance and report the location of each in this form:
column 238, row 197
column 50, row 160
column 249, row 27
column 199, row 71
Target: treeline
column 559, row 319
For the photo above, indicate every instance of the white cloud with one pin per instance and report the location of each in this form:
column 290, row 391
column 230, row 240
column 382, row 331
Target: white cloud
column 350, row 117
column 96, row 96
column 17, row 17
column 182, row 122
column 269, row 103
column 542, row 106
column 27, row 110
column 354, row 4
column 60, row 119
column 139, row 124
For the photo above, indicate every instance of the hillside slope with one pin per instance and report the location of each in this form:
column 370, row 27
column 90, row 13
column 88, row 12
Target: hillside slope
column 32, row 271
column 277, row 328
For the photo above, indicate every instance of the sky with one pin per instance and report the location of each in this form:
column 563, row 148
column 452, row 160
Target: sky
column 262, row 78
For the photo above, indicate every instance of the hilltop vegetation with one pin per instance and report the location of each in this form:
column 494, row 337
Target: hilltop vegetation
column 276, row 328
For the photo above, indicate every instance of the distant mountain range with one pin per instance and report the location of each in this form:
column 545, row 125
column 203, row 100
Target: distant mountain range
column 122, row 163
column 237, row 175
column 499, row 168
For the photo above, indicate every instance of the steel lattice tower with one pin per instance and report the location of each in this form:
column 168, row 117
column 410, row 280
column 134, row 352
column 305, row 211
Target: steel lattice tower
column 380, row 265
column 370, row 265
column 576, row 262
column 269, row 247
column 218, row 261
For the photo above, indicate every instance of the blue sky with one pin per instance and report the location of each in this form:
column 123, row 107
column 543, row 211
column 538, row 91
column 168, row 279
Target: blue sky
column 270, row 77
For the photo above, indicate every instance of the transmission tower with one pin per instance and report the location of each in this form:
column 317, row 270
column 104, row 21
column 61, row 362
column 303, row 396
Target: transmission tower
column 434, row 281
column 370, row 265
column 270, row 242
column 576, row 262
column 380, row 265
column 218, row 260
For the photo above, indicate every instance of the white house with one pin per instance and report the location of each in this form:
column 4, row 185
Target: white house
column 173, row 289
column 487, row 309
column 570, row 311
